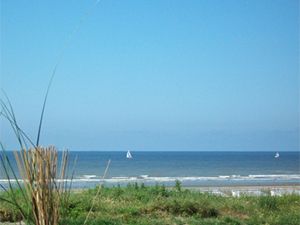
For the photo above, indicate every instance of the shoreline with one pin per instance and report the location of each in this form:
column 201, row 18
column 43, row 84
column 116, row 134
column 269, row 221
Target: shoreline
column 254, row 186
column 230, row 190
column 250, row 190
column 244, row 187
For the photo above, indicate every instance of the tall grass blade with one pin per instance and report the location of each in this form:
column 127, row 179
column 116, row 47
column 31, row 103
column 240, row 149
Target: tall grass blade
column 85, row 15
column 97, row 194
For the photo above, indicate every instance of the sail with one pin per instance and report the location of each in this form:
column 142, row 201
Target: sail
column 128, row 155
column 276, row 155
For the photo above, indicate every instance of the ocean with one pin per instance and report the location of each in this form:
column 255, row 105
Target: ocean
column 191, row 168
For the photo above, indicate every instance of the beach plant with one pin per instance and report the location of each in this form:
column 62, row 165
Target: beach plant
column 178, row 185
column 41, row 197
column 97, row 194
column 268, row 202
column 44, row 188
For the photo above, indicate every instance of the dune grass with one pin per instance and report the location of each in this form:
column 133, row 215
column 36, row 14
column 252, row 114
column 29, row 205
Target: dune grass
column 44, row 191
column 138, row 204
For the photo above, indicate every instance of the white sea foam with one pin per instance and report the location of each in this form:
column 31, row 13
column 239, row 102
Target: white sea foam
column 142, row 178
column 224, row 177
column 89, row 176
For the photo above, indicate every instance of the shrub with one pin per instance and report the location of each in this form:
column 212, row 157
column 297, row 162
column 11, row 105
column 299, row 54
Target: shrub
column 209, row 212
column 178, row 185
column 136, row 186
column 232, row 221
column 268, row 202
column 291, row 218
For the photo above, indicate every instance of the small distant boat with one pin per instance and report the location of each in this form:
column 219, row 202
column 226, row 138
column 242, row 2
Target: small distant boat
column 276, row 155
column 128, row 155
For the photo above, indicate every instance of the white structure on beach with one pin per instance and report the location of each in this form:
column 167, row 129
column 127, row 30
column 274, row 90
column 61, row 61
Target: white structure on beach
column 235, row 193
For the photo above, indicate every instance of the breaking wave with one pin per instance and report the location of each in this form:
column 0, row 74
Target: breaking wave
column 147, row 178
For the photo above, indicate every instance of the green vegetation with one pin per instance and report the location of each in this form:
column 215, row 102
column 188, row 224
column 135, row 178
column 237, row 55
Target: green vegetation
column 40, row 199
column 138, row 204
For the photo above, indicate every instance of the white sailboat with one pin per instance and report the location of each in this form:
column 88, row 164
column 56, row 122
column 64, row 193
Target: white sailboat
column 276, row 155
column 128, row 155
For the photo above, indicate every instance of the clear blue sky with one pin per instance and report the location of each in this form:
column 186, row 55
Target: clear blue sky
column 155, row 75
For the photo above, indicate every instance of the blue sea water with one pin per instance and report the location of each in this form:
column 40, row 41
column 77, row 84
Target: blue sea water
column 191, row 168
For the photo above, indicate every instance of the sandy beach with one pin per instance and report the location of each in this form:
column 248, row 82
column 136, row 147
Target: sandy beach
column 249, row 190
column 246, row 189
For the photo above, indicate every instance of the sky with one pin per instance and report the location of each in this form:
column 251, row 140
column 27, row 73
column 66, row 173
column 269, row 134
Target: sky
column 196, row 75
